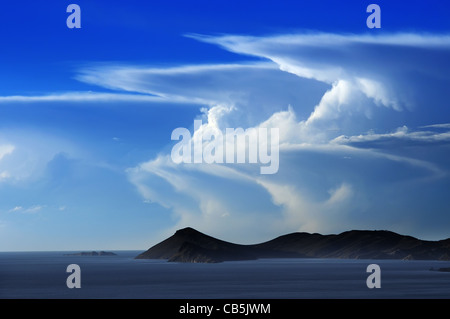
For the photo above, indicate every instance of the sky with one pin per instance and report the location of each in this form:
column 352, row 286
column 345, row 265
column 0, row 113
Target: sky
column 87, row 116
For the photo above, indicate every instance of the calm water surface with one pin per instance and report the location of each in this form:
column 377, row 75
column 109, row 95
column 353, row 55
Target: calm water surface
column 43, row 275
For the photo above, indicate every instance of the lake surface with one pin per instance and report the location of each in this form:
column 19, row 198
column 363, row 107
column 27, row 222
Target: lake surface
column 43, row 275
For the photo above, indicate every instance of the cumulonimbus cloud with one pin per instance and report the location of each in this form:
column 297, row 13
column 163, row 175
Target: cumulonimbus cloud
column 359, row 74
column 324, row 92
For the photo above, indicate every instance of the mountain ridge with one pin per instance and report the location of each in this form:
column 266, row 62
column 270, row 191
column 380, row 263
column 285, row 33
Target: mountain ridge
column 190, row 245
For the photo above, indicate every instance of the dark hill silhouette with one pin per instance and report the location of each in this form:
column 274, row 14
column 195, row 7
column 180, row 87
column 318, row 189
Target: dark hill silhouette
column 190, row 245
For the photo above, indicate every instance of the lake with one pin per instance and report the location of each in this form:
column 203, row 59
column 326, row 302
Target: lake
column 42, row 275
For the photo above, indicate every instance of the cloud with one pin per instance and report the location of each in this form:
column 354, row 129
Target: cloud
column 340, row 194
column 26, row 152
column 388, row 70
column 33, row 209
column 439, row 126
column 220, row 196
column 29, row 210
column 402, row 135
column 16, row 209
column 77, row 97
column 337, row 78
column 243, row 86
column 6, row 149
column 392, row 70
column 327, row 94
column 328, row 181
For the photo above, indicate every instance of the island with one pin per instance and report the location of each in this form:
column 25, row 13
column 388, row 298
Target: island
column 92, row 253
column 192, row 246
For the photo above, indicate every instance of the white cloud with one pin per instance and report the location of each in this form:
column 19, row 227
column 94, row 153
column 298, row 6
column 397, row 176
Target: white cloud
column 333, row 102
column 304, row 214
column 378, row 92
column 390, row 69
column 326, row 179
column 400, row 134
column 16, row 209
column 5, row 150
column 323, row 91
column 339, row 194
column 29, row 210
column 199, row 194
column 28, row 153
column 33, row 209
column 442, row 125
column 82, row 97
column 4, row 175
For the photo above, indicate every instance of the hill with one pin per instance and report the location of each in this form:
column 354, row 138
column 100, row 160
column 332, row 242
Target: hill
column 190, row 245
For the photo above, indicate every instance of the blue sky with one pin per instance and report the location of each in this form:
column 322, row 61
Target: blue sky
column 86, row 117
